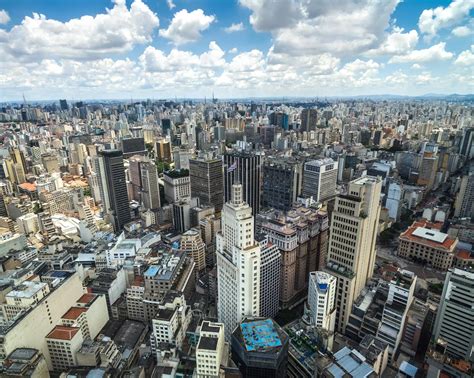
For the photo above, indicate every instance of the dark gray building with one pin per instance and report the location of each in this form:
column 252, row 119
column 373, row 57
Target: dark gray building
column 282, row 183
column 113, row 188
column 244, row 167
column 206, row 176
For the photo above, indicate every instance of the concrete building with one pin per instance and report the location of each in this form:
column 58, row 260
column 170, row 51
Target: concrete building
column 454, row 322
column 270, row 277
column 282, row 183
column 309, row 119
column 238, row 263
column 63, row 343
column 351, row 253
column 207, row 181
column 322, row 300
column 464, row 205
column 319, row 179
column 193, row 246
column 177, row 185
column 211, row 350
column 424, row 242
column 260, row 348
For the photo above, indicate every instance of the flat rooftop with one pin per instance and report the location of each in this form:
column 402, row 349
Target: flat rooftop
column 433, row 235
column 260, row 335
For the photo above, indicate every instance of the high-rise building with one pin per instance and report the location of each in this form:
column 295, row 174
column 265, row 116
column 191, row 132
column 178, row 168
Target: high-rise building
column 211, row 350
column 270, row 277
column 322, row 300
column 177, row 185
column 309, row 118
column 245, row 168
column 63, row 105
column 206, row 176
column 282, row 183
column 351, row 252
column 455, row 318
column 192, row 245
column 319, row 179
column 466, row 146
column 150, row 187
column 260, row 348
column 163, row 150
column 238, row 263
column 464, row 205
column 113, row 188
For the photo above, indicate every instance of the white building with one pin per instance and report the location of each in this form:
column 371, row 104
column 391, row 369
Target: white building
column 177, row 185
column 394, row 200
column 322, row 300
column 211, row 350
column 270, row 278
column 238, row 263
column 319, row 179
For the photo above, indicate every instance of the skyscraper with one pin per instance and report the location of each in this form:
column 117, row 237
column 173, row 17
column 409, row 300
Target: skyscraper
column 206, row 176
column 309, row 118
column 282, row 183
column 322, row 300
column 150, row 187
column 455, row 319
column 192, row 244
column 270, row 279
column 464, row 205
column 351, row 253
column 319, row 179
column 238, row 263
column 245, row 168
column 113, row 188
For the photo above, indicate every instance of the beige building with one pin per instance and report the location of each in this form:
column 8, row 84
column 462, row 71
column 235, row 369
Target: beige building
column 192, row 245
column 27, row 294
column 423, row 242
column 211, row 350
column 351, row 253
column 63, row 343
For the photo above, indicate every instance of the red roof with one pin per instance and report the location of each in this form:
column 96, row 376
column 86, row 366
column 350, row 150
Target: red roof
column 28, row 187
column 74, row 312
column 408, row 234
column 86, row 298
column 63, row 333
column 463, row 254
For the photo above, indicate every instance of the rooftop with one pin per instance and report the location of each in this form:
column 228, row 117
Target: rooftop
column 74, row 313
column 86, row 298
column 63, row 333
column 27, row 289
column 260, row 335
column 208, row 343
column 428, row 233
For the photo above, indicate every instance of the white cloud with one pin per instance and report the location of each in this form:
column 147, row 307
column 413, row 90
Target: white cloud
column 464, row 31
column 89, row 37
column 343, row 27
column 416, row 66
column 4, row 17
column 466, row 58
column 235, row 28
column 187, row 26
column 397, row 42
column 233, row 50
column 431, row 21
column 436, row 52
column 170, row 4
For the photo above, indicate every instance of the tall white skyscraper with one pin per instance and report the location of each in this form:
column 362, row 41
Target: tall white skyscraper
column 322, row 300
column 351, row 253
column 319, row 179
column 238, row 264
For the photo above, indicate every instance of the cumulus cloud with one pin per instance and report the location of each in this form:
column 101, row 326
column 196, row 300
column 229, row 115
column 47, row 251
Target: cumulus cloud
column 397, row 42
column 466, row 58
column 89, row 37
column 4, row 17
column 170, row 4
column 464, row 30
column 187, row 26
column 235, row 28
column 436, row 52
column 315, row 26
column 431, row 21
column 233, row 50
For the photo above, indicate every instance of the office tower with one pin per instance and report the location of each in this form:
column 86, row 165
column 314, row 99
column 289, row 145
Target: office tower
column 177, row 185
column 270, row 277
column 322, row 300
column 245, row 168
column 454, row 322
column 466, row 146
column 63, row 105
column 424, row 242
column 351, row 253
column 113, row 188
column 192, row 245
column 282, row 183
column 166, row 126
column 464, row 205
column 309, row 118
column 182, row 213
column 399, row 300
column 50, row 162
column 211, row 350
column 260, row 348
column 150, row 187
column 319, row 179
column 163, row 150
column 133, row 146
column 206, row 176
column 238, row 263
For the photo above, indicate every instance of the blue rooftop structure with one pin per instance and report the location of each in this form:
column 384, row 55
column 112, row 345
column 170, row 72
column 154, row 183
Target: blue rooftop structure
column 152, row 271
column 349, row 363
column 259, row 335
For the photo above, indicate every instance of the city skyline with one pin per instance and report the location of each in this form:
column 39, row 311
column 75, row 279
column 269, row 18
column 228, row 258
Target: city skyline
column 162, row 49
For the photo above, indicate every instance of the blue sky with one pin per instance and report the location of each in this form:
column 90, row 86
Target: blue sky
column 191, row 48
